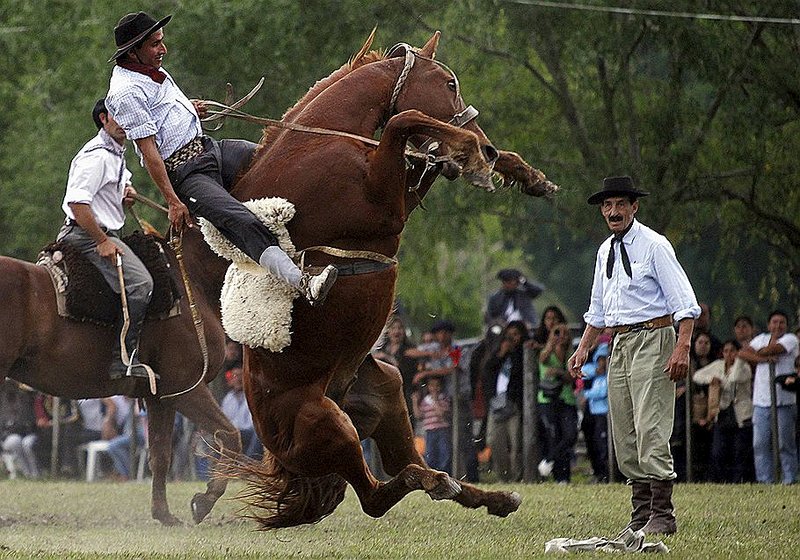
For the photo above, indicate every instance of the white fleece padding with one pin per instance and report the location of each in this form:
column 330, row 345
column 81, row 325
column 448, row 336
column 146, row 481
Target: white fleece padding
column 256, row 306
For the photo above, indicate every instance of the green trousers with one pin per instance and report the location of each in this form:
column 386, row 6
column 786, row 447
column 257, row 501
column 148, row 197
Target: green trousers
column 641, row 399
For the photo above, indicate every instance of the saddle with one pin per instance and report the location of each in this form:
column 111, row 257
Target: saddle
column 83, row 293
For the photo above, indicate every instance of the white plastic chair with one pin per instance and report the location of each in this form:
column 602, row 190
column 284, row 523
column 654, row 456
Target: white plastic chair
column 11, row 467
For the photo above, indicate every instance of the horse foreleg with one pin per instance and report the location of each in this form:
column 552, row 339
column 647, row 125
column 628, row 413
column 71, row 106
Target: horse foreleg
column 376, row 403
column 515, row 170
column 200, row 407
column 387, row 163
column 161, row 419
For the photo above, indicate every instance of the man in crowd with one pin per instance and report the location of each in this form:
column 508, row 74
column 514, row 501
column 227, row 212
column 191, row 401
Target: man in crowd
column 779, row 347
column 640, row 290
column 193, row 172
column 512, row 302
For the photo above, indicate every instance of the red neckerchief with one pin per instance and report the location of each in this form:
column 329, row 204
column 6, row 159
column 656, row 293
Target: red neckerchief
column 153, row 73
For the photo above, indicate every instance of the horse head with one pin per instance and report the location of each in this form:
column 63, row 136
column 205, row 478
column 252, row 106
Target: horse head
column 431, row 86
column 439, row 92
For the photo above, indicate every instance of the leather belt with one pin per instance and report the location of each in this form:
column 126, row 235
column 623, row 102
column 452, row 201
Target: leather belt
column 657, row 323
column 70, row 222
column 180, row 156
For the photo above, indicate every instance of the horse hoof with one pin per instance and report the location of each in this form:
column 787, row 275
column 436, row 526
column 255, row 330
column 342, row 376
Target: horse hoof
column 507, row 502
column 446, row 489
column 168, row 520
column 201, row 506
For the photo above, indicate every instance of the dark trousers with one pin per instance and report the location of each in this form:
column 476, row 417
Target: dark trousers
column 732, row 454
column 561, row 429
column 599, row 447
column 203, row 184
column 439, row 449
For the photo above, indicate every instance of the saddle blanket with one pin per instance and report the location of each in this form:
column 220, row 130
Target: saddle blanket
column 256, row 306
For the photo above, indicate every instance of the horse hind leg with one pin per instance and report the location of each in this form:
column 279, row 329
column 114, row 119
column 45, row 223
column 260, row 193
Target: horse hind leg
column 325, row 442
column 161, row 419
column 200, row 407
column 376, row 403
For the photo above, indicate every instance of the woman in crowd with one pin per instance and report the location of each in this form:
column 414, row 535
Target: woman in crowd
column 551, row 316
column 730, row 410
column 557, row 404
column 394, row 350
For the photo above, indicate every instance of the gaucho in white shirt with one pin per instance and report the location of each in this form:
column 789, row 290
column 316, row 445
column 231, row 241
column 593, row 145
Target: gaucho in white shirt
column 640, row 290
column 97, row 185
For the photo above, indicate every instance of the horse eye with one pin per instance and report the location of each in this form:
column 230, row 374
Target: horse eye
column 452, row 85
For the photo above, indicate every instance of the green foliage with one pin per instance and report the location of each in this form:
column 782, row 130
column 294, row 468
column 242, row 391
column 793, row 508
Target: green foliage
column 703, row 114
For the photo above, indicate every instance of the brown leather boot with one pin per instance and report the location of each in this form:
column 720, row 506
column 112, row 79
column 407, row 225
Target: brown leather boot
column 662, row 518
column 640, row 501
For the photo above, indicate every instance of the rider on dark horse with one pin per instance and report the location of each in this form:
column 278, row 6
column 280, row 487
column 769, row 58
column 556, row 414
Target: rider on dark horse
column 193, row 172
column 97, row 185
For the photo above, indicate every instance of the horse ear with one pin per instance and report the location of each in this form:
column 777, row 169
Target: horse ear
column 429, row 50
column 365, row 49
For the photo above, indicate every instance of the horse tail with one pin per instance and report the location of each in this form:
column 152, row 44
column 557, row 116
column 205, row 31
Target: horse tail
column 276, row 497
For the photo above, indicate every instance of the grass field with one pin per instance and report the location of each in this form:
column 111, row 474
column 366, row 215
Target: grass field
column 112, row 520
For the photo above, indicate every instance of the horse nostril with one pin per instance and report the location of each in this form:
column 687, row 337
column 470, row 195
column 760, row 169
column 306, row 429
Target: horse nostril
column 490, row 153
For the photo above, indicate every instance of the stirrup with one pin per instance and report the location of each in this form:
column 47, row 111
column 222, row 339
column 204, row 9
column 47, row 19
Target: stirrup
column 316, row 288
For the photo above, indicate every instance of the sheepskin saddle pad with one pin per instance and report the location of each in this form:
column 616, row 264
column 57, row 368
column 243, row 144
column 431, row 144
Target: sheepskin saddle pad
column 83, row 294
column 256, row 306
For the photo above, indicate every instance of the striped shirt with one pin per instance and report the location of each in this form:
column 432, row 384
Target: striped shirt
column 143, row 108
column 98, row 177
column 435, row 414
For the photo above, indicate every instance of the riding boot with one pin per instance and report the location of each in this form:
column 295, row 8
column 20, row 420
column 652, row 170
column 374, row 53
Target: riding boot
column 313, row 288
column 640, row 501
column 662, row 517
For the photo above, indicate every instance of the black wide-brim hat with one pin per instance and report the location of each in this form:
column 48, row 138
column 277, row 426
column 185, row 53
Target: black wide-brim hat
column 132, row 28
column 508, row 274
column 616, row 186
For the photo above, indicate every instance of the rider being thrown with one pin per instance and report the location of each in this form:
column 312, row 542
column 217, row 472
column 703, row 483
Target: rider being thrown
column 191, row 169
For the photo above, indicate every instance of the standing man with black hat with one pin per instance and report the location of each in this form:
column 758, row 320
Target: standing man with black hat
column 193, row 172
column 640, row 290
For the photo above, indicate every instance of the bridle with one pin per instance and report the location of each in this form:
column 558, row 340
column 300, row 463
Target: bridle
column 460, row 119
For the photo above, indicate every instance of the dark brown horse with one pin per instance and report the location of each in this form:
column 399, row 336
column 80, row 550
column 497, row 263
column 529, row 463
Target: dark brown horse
column 313, row 402
column 71, row 359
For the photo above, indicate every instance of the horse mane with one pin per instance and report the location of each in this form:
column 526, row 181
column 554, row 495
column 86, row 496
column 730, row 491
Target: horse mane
column 361, row 58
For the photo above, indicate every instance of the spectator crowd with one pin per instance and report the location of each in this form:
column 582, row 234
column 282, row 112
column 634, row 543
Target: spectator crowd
column 740, row 389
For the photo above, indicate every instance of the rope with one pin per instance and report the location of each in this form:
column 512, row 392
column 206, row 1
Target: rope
column 264, row 121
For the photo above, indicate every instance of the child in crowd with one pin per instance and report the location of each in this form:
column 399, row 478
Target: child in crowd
column 433, row 410
column 597, row 398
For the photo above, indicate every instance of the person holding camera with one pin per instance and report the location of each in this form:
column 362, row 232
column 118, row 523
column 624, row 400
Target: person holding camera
column 512, row 302
column 502, row 384
column 558, row 405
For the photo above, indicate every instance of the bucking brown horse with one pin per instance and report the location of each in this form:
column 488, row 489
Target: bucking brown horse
column 71, row 359
column 313, row 402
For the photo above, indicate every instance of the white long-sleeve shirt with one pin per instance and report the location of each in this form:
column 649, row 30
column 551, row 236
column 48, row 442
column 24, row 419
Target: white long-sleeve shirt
column 97, row 177
column 658, row 286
